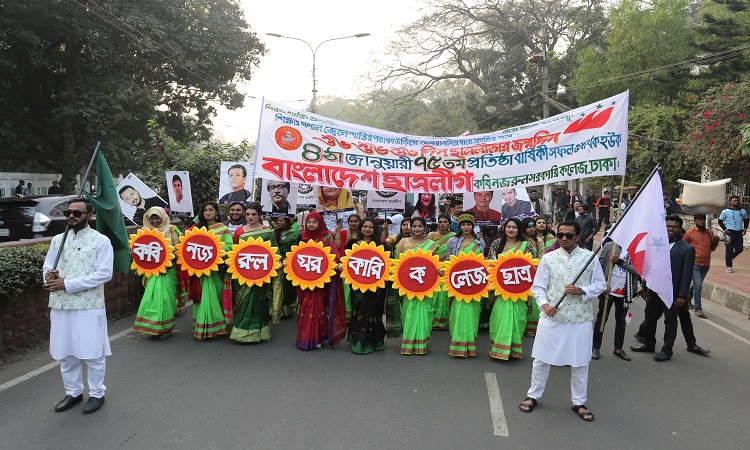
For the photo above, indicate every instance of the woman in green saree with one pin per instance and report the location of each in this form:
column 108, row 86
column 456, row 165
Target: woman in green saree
column 252, row 319
column 464, row 317
column 286, row 236
column 416, row 314
column 440, row 301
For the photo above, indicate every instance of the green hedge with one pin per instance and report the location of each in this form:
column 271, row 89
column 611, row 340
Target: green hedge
column 21, row 267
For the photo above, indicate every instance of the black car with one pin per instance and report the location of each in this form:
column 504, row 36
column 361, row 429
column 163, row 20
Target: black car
column 33, row 216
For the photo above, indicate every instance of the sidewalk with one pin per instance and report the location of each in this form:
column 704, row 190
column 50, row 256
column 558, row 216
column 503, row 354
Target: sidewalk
column 729, row 289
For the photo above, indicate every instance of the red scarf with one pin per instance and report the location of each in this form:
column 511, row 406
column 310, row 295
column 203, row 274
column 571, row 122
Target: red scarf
column 317, row 235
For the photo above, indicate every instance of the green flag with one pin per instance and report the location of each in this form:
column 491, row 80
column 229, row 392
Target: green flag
column 109, row 221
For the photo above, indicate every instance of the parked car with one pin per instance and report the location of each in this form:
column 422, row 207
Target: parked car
column 33, row 216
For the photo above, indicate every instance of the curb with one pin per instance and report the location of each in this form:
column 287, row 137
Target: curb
column 730, row 298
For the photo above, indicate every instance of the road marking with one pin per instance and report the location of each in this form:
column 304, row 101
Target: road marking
column 49, row 366
column 731, row 333
column 496, row 405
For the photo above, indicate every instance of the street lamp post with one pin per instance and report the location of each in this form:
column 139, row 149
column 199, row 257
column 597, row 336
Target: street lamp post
column 314, row 103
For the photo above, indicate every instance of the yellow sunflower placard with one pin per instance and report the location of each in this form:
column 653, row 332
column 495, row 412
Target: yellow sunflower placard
column 200, row 252
column 310, row 265
column 415, row 274
column 253, row 262
column 465, row 277
column 366, row 266
column 152, row 254
column 512, row 275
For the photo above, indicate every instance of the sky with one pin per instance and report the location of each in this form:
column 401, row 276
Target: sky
column 285, row 72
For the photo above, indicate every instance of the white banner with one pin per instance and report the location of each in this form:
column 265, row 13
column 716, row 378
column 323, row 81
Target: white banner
column 302, row 147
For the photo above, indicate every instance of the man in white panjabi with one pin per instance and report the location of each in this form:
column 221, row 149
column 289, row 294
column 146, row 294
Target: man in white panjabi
column 564, row 336
column 78, row 320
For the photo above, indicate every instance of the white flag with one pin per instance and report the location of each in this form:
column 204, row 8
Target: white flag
column 643, row 233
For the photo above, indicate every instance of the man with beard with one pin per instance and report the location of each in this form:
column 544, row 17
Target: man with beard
column 78, row 320
column 682, row 257
column 704, row 241
column 278, row 192
column 236, row 216
column 513, row 207
column 129, row 195
column 536, row 204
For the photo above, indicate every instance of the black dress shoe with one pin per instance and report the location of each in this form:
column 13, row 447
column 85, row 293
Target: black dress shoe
column 595, row 353
column 699, row 350
column 638, row 338
column 661, row 356
column 67, row 402
column 92, row 404
column 644, row 348
column 622, row 355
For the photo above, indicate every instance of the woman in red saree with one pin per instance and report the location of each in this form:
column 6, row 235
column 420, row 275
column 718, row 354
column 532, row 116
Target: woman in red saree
column 321, row 318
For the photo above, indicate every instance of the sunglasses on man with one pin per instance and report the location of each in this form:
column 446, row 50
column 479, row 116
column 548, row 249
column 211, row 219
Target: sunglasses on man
column 68, row 213
column 566, row 235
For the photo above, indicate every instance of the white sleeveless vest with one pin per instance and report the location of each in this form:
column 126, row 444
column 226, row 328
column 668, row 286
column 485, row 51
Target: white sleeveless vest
column 77, row 260
column 563, row 267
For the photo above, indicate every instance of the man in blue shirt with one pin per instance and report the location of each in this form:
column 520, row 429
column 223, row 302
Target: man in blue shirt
column 734, row 222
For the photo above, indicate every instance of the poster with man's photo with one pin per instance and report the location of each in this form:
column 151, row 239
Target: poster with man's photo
column 180, row 197
column 306, row 197
column 494, row 207
column 278, row 198
column 236, row 182
column 386, row 201
column 136, row 198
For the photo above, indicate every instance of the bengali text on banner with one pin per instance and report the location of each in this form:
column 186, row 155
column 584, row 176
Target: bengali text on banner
column 302, row 147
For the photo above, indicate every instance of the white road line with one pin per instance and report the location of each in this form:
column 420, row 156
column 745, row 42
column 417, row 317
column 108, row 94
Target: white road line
column 496, row 405
column 49, row 366
column 731, row 333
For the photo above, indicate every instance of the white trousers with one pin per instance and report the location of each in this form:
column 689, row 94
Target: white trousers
column 72, row 376
column 579, row 379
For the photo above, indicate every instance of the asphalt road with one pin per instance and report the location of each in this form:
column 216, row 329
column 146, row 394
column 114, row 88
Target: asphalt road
column 181, row 393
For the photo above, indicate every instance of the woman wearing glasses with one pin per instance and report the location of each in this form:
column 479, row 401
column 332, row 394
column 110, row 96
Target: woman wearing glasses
column 252, row 321
column 508, row 319
column 159, row 303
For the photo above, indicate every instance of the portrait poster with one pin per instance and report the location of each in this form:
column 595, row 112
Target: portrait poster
column 516, row 203
column 179, row 193
column 333, row 199
column 278, row 198
column 425, row 206
column 486, row 206
column 343, row 217
column 330, row 218
column 136, row 198
column 386, row 201
column 306, row 197
column 236, row 182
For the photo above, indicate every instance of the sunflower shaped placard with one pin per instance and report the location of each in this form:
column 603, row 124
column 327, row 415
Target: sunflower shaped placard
column 512, row 275
column 415, row 274
column 152, row 253
column 200, row 252
column 310, row 265
column 366, row 266
column 253, row 262
column 465, row 277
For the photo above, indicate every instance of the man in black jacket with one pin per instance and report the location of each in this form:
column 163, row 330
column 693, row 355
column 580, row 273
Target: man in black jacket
column 682, row 257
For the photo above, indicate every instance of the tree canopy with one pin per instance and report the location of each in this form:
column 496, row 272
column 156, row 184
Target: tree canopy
column 75, row 72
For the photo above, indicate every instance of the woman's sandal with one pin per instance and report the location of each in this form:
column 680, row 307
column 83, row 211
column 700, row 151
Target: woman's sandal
column 527, row 407
column 586, row 415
